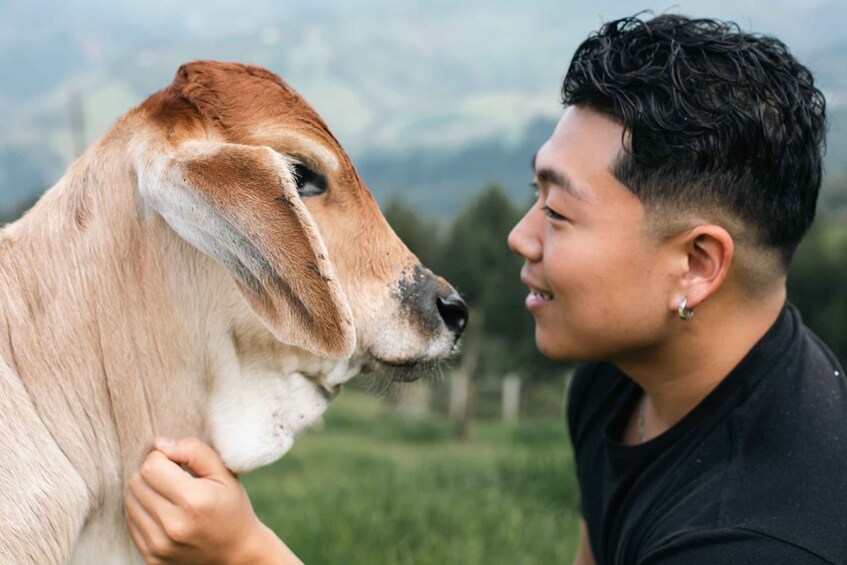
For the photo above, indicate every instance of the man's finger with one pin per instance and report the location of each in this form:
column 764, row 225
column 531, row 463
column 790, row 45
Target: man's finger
column 160, row 486
column 138, row 539
column 201, row 459
column 162, row 477
column 142, row 526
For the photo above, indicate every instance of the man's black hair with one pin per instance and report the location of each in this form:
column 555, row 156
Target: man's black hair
column 714, row 118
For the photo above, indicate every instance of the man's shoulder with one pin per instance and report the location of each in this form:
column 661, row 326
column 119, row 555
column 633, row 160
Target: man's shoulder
column 788, row 446
column 729, row 545
column 801, row 403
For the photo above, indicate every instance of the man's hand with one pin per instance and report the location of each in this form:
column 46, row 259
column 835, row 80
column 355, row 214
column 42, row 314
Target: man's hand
column 175, row 517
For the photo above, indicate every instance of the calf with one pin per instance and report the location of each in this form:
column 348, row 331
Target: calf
column 212, row 266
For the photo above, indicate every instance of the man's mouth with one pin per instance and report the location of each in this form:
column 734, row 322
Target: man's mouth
column 537, row 298
column 536, row 295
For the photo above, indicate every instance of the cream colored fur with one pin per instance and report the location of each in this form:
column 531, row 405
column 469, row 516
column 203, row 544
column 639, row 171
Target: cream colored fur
column 118, row 321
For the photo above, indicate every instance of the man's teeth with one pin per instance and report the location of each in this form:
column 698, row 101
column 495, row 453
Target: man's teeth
column 543, row 295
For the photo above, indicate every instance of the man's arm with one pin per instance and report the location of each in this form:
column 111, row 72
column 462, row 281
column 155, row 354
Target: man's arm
column 584, row 556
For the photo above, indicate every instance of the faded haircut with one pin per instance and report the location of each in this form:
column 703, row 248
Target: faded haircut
column 716, row 121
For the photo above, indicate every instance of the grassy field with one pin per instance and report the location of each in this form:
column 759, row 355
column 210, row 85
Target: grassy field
column 371, row 487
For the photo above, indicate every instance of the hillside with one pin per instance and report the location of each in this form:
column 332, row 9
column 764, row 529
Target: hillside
column 431, row 99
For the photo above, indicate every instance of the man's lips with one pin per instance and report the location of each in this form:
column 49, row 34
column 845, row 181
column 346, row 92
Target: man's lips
column 537, row 295
column 540, row 295
column 535, row 300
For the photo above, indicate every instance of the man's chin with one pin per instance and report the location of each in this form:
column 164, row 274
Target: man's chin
column 560, row 350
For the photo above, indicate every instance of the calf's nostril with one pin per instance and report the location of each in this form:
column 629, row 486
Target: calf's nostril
column 453, row 311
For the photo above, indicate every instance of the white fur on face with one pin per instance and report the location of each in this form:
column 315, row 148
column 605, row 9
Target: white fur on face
column 395, row 339
column 255, row 416
column 391, row 332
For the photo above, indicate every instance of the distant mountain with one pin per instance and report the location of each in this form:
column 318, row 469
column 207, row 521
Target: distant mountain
column 431, row 99
column 439, row 183
column 836, row 141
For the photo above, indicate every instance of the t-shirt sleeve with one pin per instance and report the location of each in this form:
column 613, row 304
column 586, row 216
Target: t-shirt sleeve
column 730, row 545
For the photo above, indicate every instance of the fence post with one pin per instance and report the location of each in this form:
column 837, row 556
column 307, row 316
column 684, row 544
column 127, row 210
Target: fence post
column 413, row 399
column 461, row 394
column 458, row 394
column 511, row 397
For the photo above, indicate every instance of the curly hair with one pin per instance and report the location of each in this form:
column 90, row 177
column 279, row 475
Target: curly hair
column 713, row 118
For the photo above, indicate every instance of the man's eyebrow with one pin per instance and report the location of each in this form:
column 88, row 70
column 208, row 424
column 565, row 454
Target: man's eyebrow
column 547, row 175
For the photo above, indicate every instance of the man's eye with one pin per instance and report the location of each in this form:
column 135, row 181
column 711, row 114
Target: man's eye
column 309, row 183
column 552, row 214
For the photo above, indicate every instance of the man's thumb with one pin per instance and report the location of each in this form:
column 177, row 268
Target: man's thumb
column 193, row 454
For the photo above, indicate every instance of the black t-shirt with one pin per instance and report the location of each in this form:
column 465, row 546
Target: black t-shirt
column 756, row 473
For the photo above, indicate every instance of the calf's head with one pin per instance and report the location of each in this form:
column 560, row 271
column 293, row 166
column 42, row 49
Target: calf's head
column 239, row 165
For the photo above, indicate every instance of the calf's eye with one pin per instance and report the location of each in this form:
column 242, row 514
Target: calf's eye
column 309, row 182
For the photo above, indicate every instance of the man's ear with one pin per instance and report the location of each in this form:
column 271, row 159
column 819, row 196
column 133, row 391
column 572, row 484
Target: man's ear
column 708, row 251
column 239, row 205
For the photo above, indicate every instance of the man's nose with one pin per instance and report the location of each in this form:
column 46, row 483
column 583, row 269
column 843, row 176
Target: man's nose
column 523, row 238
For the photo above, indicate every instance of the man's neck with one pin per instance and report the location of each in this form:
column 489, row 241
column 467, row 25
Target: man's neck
column 677, row 376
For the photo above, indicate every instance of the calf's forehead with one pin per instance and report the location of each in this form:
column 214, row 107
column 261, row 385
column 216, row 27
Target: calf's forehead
column 255, row 106
column 231, row 92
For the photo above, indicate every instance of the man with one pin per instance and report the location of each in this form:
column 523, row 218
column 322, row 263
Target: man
column 710, row 425
column 671, row 197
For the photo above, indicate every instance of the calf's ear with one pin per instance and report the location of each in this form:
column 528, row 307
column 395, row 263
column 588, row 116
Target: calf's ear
column 239, row 205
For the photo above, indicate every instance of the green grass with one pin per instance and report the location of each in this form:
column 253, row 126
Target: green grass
column 370, row 487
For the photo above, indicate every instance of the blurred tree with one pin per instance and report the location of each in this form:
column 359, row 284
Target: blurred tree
column 833, row 199
column 478, row 262
column 421, row 235
column 817, row 284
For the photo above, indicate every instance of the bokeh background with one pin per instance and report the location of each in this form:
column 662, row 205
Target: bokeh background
column 441, row 105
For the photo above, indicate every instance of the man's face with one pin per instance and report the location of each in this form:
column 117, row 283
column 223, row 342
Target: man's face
column 599, row 284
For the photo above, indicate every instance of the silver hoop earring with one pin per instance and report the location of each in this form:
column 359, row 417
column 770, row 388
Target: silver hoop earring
column 685, row 313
